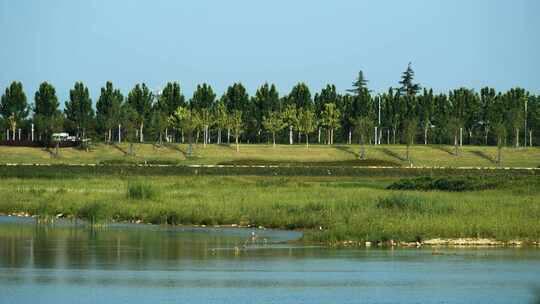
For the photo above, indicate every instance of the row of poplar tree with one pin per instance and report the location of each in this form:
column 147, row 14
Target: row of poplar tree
column 405, row 114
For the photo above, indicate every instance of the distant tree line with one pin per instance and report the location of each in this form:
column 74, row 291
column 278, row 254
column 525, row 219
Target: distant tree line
column 406, row 114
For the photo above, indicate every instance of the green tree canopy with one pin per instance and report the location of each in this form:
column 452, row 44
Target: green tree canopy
column 78, row 110
column 203, row 97
column 47, row 116
column 13, row 102
column 108, row 109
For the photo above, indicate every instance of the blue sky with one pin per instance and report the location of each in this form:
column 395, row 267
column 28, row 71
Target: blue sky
column 451, row 43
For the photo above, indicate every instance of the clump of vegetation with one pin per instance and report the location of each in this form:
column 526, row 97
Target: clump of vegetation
column 94, row 212
column 453, row 184
column 139, row 190
column 412, row 204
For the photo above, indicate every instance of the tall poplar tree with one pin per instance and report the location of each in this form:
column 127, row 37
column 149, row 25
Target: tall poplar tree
column 13, row 106
column 140, row 99
column 47, row 115
column 108, row 110
column 78, row 111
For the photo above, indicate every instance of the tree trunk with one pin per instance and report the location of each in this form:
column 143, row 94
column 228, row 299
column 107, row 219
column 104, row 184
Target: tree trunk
column 362, row 148
column 307, row 141
column 119, row 134
column 461, row 137
column 299, row 137
column 486, row 136
column 219, row 136
column 530, row 138
column 425, row 136
column 190, row 144
column 388, row 137
column 455, row 144
column 499, row 148
column 290, row 136
column 274, row 139
column 228, row 136
column 141, row 137
column 394, row 131
column 350, row 137
column 408, row 158
column 517, row 137
column 332, row 136
column 237, row 145
column 319, row 140
column 205, row 135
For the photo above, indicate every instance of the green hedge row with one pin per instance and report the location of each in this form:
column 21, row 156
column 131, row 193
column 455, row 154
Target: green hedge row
column 75, row 171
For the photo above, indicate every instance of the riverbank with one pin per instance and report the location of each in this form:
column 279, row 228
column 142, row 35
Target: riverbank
column 451, row 242
column 331, row 210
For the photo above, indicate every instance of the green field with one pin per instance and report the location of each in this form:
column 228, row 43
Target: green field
column 330, row 209
column 421, row 155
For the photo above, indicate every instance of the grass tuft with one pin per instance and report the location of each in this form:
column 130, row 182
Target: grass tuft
column 139, row 190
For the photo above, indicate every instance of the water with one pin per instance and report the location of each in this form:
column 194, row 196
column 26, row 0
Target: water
column 66, row 263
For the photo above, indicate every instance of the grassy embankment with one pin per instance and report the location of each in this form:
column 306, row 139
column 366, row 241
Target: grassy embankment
column 331, row 209
column 430, row 156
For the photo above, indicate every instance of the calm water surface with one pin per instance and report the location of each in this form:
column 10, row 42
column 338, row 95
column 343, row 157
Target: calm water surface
column 66, row 263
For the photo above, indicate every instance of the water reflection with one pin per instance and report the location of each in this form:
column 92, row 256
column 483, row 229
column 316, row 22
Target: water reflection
column 148, row 264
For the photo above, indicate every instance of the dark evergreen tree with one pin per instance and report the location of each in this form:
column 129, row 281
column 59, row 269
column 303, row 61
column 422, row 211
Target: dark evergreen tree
column 78, row 111
column 300, row 96
column 140, row 99
column 108, row 110
column 47, row 116
column 203, row 97
column 359, row 85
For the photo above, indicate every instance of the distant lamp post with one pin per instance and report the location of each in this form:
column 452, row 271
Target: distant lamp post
column 378, row 136
column 525, row 129
column 157, row 96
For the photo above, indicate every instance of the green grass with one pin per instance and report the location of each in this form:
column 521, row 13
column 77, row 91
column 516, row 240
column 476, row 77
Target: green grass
column 331, row 209
column 457, row 184
column 422, row 155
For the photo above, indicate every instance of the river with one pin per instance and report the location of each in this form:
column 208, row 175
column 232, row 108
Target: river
column 71, row 263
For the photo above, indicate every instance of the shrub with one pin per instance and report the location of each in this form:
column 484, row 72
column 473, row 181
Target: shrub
column 94, row 212
column 453, row 184
column 140, row 190
column 412, row 204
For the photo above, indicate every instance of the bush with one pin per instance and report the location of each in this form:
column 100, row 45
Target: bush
column 94, row 212
column 453, row 184
column 412, row 204
column 140, row 190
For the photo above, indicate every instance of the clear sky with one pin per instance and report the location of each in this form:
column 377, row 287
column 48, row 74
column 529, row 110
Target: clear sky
column 450, row 43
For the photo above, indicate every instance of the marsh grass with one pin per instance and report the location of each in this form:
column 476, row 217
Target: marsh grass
column 141, row 190
column 94, row 212
column 413, row 204
column 365, row 211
